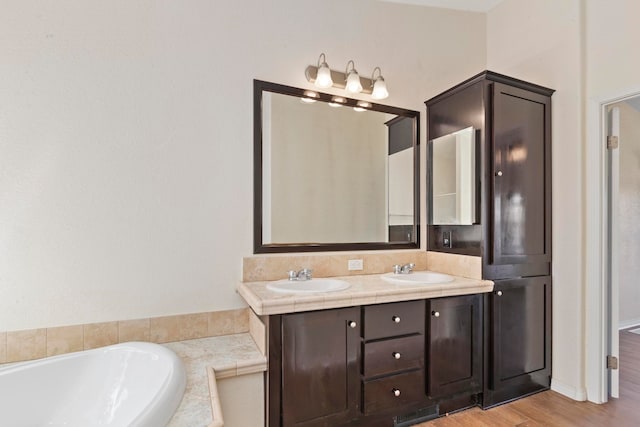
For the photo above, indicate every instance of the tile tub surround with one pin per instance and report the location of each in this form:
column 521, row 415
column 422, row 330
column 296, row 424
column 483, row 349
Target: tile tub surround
column 275, row 267
column 454, row 264
column 220, row 357
column 17, row 346
column 364, row 290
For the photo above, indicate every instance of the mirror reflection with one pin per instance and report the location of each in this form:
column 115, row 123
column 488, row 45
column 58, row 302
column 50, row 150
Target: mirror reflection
column 335, row 175
column 453, row 178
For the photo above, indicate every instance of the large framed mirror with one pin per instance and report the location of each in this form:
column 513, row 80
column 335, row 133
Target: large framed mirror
column 333, row 173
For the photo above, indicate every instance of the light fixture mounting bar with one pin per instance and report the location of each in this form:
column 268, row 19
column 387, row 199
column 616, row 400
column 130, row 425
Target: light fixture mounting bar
column 339, row 79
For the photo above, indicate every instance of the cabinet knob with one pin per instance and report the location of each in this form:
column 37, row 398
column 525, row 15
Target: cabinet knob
column 396, row 355
column 396, row 392
column 396, row 319
column 499, row 293
column 499, row 173
column 435, row 313
column 352, row 324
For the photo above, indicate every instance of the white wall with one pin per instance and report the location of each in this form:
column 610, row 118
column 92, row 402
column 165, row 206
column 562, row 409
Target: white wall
column 612, row 34
column 629, row 212
column 541, row 42
column 126, row 137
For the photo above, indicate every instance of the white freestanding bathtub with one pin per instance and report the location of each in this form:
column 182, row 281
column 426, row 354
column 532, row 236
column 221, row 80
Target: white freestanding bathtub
column 130, row 384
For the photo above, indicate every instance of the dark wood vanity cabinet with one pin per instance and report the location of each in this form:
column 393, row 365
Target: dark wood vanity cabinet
column 376, row 365
column 320, row 367
column 455, row 345
column 512, row 121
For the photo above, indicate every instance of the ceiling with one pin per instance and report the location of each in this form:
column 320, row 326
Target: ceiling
column 470, row 5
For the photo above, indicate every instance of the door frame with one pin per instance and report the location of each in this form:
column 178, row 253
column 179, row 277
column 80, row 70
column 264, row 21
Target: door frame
column 597, row 333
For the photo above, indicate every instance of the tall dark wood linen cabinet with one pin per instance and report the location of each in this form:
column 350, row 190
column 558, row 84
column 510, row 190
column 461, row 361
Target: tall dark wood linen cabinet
column 512, row 232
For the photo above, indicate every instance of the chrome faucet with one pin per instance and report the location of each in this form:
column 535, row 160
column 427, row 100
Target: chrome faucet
column 403, row 269
column 304, row 274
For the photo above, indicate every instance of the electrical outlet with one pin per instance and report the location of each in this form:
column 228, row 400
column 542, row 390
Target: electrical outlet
column 355, row 264
column 446, row 239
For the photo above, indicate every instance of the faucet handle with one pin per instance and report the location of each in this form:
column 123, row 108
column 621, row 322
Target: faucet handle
column 293, row 275
column 305, row 273
column 396, row 269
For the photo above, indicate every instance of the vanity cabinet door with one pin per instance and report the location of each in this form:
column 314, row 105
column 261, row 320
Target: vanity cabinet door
column 455, row 345
column 520, row 338
column 521, row 185
column 320, row 367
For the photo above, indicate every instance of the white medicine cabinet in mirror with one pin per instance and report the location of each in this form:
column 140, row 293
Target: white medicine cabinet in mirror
column 453, row 168
column 332, row 173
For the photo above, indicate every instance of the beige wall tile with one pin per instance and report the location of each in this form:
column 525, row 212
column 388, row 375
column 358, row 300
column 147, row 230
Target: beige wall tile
column 26, row 345
column 3, row 347
column 65, row 339
column 193, row 326
column 221, row 323
column 241, row 321
column 458, row 265
column 258, row 332
column 164, row 329
column 274, row 267
column 100, row 334
column 133, row 330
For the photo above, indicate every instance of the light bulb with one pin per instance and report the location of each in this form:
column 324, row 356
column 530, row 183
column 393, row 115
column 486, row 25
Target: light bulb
column 379, row 89
column 323, row 79
column 353, row 82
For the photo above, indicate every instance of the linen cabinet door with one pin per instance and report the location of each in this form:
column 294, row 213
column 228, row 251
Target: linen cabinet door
column 455, row 345
column 520, row 338
column 320, row 367
column 521, row 185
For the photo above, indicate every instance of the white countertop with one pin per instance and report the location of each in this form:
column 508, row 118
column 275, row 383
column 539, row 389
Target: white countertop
column 365, row 289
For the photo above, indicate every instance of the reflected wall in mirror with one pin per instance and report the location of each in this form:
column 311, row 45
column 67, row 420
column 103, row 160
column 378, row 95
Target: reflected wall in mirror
column 452, row 160
column 332, row 174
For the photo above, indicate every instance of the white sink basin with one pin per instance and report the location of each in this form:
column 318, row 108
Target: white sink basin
column 418, row 278
column 308, row 286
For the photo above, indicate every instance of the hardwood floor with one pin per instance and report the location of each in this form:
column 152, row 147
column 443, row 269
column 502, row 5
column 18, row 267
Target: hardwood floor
column 552, row 409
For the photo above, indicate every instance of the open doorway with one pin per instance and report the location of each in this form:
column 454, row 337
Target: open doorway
column 602, row 304
column 623, row 243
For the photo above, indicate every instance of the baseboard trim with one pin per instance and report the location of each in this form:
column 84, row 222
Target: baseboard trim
column 579, row 394
column 625, row 324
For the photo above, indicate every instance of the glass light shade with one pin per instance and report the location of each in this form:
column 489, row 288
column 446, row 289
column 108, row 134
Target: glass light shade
column 379, row 89
column 353, row 82
column 323, row 79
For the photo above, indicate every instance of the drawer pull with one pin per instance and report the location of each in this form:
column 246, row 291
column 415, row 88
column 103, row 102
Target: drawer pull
column 352, row 324
column 499, row 293
column 396, row 355
column 435, row 313
column 396, row 319
column 396, row 392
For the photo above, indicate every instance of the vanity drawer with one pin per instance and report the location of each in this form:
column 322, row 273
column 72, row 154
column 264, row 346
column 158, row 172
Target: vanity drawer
column 397, row 318
column 393, row 355
column 394, row 391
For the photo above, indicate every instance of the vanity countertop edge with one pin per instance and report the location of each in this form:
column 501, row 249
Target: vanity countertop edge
column 364, row 290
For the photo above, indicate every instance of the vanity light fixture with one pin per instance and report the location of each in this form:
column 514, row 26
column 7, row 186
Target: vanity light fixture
column 379, row 86
column 362, row 106
column 309, row 97
column 353, row 84
column 322, row 76
column 337, row 101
